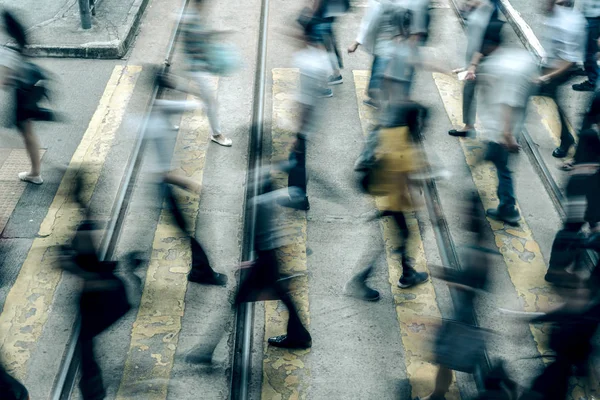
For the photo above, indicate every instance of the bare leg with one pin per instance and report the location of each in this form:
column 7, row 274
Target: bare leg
column 443, row 380
column 32, row 145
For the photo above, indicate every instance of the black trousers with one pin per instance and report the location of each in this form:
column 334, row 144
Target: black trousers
column 200, row 262
column 265, row 275
column 550, row 89
column 297, row 175
column 10, row 388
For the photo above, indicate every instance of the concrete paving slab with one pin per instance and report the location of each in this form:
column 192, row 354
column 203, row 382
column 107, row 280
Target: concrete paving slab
column 55, row 30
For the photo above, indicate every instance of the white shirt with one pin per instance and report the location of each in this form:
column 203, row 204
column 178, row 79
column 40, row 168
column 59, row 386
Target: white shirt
column 315, row 68
column 564, row 36
column 505, row 78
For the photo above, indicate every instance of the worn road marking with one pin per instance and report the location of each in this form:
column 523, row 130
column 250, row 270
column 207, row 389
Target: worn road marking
column 12, row 187
column 30, row 298
column 522, row 255
column 416, row 308
column 285, row 372
column 156, row 329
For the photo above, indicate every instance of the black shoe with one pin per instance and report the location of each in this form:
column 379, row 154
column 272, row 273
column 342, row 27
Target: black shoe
column 412, row 279
column 297, row 204
column 359, row 290
column 586, row 86
column 560, row 152
column 214, row 278
column 285, row 342
column 510, row 217
column 335, row 80
column 456, row 133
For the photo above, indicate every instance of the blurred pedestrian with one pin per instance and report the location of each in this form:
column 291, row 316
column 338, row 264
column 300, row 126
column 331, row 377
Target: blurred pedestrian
column 591, row 12
column 265, row 273
column 564, row 43
column 480, row 13
column 102, row 301
column 313, row 64
column 26, row 80
column 505, row 85
column 164, row 139
column 583, row 204
column 206, row 55
column 325, row 14
column 460, row 345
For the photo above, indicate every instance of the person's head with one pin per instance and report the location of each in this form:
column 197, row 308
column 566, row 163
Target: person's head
column 492, row 38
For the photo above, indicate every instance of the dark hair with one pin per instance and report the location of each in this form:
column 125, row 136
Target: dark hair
column 493, row 34
column 15, row 29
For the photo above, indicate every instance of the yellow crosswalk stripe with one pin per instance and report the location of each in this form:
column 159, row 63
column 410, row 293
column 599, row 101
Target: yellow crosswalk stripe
column 285, row 373
column 155, row 333
column 415, row 307
column 30, row 298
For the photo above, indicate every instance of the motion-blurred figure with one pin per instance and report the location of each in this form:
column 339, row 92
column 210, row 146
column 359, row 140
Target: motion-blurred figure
column 27, row 81
column 324, row 17
column 591, row 11
column 583, row 204
column 574, row 326
column 102, row 302
column 505, row 85
column 460, row 345
column 564, row 43
column 206, row 55
column 313, row 63
column 164, row 139
column 480, row 13
column 264, row 275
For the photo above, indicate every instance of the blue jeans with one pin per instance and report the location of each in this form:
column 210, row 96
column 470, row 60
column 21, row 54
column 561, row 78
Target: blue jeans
column 377, row 70
column 498, row 155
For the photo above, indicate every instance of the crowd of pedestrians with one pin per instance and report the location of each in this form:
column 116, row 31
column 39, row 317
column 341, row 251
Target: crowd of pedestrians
column 393, row 166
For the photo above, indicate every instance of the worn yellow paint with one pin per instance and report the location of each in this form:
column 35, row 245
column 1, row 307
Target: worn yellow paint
column 30, row 298
column 285, row 372
column 156, row 329
column 546, row 108
column 522, row 256
column 416, row 308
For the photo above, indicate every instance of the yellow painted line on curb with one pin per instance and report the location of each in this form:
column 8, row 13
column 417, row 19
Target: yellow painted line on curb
column 546, row 108
column 416, row 308
column 155, row 333
column 30, row 298
column 285, row 372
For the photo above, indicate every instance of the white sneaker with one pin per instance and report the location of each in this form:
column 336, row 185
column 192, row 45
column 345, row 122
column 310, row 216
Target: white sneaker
column 25, row 177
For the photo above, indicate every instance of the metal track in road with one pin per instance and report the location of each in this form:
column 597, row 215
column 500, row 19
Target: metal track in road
column 67, row 376
column 449, row 258
column 240, row 377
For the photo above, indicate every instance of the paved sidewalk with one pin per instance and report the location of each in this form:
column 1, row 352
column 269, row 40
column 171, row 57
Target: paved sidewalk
column 55, row 27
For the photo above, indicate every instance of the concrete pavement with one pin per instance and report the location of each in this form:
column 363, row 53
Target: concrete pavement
column 54, row 27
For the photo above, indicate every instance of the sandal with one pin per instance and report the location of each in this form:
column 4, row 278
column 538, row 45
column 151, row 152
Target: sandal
column 222, row 140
